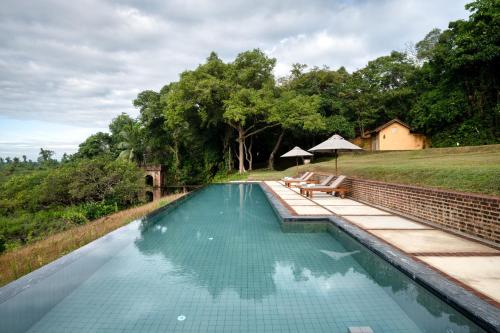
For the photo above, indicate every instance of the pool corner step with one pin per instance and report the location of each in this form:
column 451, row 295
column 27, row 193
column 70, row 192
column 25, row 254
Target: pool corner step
column 360, row 329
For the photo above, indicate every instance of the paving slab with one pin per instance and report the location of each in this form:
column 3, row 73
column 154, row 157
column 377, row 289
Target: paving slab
column 311, row 210
column 333, row 201
column 283, row 191
column 290, row 196
column 480, row 273
column 300, row 202
column 431, row 241
column 279, row 188
column 356, row 210
column 384, row 222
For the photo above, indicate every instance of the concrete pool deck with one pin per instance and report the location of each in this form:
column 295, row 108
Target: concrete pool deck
column 470, row 263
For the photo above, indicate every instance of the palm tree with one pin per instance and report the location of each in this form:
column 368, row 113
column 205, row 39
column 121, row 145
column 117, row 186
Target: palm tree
column 132, row 143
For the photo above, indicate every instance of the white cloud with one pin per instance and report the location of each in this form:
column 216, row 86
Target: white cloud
column 314, row 50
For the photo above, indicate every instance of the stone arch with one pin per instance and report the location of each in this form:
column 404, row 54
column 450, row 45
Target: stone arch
column 154, row 179
column 149, row 180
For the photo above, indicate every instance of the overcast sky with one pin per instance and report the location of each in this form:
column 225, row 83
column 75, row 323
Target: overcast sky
column 68, row 67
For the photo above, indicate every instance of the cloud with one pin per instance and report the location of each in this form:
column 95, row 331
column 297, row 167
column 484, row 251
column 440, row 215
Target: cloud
column 81, row 63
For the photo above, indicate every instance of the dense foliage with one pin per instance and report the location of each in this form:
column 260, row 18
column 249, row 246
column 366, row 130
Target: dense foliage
column 39, row 200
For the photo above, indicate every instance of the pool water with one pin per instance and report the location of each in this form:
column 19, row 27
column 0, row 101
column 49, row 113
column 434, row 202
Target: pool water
column 220, row 262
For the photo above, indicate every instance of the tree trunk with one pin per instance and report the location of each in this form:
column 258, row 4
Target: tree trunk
column 176, row 162
column 248, row 154
column 227, row 149
column 270, row 162
column 241, row 152
column 229, row 159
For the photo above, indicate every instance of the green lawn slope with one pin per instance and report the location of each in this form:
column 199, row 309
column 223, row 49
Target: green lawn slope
column 468, row 169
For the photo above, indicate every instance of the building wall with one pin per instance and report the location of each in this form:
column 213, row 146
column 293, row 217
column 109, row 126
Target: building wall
column 156, row 172
column 473, row 214
column 398, row 137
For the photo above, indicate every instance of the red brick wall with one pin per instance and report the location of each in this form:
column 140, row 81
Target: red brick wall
column 473, row 214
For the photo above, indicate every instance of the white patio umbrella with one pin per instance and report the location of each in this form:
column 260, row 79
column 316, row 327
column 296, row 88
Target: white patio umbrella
column 297, row 152
column 334, row 144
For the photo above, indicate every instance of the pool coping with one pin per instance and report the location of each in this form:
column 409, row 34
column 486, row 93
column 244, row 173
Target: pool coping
column 480, row 311
column 15, row 287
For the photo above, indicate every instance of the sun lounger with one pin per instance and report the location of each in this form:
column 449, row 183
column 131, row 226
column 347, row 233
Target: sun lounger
column 323, row 183
column 305, row 179
column 334, row 187
column 305, row 174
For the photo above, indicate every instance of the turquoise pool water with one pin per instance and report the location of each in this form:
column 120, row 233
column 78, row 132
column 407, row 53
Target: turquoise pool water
column 219, row 262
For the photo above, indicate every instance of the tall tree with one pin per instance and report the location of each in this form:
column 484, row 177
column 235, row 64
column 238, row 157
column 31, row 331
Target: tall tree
column 251, row 97
column 193, row 116
column 152, row 118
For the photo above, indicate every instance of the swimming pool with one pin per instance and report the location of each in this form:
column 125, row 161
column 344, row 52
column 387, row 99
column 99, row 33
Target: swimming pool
column 220, row 262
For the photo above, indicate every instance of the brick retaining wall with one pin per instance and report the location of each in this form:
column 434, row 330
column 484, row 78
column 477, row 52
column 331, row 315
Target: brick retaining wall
column 474, row 214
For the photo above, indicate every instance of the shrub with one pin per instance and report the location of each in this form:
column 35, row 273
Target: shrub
column 95, row 210
column 75, row 217
column 2, row 244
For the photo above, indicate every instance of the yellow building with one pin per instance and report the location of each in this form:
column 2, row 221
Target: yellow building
column 394, row 135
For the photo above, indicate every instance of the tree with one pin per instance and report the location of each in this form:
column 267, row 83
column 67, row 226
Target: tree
column 131, row 145
column 295, row 112
column 457, row 86
column 152, row 118
column 104, row 180
column 193, row 113
column 251, row 97
column 425, row 47
column 116, row 126
column 387, row 84
column 45, row 156
column 95, row 145
column 24, row 159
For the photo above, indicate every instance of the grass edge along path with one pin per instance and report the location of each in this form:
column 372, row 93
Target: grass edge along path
column 16, row 263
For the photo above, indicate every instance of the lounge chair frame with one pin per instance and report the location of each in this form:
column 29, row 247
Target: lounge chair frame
column 342, row 191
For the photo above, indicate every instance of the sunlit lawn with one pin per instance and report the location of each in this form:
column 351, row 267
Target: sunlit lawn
column 470, row 169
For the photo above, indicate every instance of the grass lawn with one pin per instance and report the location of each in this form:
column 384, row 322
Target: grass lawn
column 468, row 169
column 21, row 261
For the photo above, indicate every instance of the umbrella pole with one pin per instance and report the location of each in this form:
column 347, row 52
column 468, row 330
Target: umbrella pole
column 297, row 163
column 336, row 157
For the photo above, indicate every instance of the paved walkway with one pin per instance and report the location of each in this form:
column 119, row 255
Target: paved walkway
column 470, row 263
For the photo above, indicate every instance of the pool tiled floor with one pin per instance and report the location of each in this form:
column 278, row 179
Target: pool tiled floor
column 472, row 263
